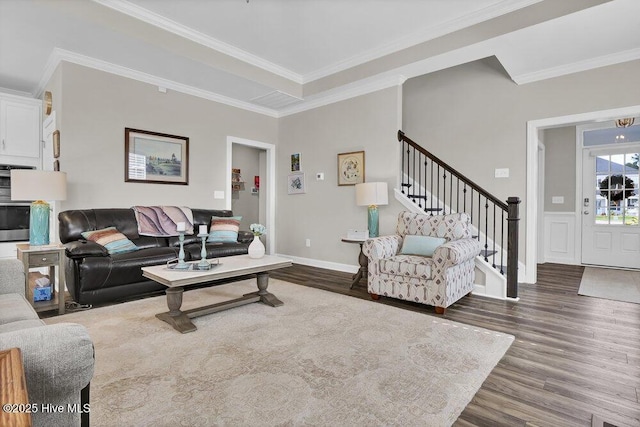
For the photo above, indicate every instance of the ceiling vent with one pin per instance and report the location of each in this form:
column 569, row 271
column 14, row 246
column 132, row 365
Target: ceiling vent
column 275, row 100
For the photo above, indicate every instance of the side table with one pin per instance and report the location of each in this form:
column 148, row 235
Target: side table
column 362, row 260
column 51, row 256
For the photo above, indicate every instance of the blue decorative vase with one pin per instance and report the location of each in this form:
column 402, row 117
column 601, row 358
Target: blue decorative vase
column 373, row 221
column 39, row 223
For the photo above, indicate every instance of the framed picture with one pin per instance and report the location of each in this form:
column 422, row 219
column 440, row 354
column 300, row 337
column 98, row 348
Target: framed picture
column 351, row 168
column 295, row 162
column 155, row 157
column 56, row 144
column 295, row 183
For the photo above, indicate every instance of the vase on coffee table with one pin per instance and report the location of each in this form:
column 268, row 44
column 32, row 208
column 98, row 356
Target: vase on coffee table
column 256, row 248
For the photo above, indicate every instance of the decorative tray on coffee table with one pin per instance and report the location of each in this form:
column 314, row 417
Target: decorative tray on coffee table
column 193, row 266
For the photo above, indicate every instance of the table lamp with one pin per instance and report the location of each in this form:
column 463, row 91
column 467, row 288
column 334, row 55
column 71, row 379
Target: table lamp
column 38, row 186
column 372, row 194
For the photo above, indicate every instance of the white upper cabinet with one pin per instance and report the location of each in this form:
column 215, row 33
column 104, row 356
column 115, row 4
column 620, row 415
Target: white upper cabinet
column 20, row 127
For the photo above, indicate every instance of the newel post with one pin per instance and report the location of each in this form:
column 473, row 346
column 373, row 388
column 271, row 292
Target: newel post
column 513, row 222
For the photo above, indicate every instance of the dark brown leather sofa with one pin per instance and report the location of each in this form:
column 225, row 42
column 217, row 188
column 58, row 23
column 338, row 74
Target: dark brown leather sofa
column 93, row 276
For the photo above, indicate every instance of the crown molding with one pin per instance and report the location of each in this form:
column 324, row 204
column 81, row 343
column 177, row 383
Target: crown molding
column 58, row 55
column 562, row 70
column 353, row 90
column 489, row 12
column 13, row 92
column 166, row 24
column 342, row 93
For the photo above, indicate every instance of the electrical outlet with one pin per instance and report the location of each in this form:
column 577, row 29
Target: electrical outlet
column 307, row 243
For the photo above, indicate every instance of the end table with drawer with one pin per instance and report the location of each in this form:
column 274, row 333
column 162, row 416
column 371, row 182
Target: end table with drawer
column 51, row 256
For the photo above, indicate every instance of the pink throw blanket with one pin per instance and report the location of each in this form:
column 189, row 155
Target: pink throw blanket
column 162, row 221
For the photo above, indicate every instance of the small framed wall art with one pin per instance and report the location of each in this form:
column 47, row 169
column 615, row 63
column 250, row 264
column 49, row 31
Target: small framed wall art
column 295, row 162
column 295, row 183
column 351, row 168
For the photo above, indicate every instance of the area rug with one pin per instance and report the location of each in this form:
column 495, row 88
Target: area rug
column 609, row 283
column 321, row 359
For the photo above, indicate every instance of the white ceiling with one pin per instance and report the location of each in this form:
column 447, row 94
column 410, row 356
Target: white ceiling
column 309, row 51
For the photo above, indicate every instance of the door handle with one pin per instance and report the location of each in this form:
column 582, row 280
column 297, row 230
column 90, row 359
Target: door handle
column 586, row 212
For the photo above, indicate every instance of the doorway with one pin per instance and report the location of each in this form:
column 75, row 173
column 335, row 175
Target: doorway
column 533, row 222
column 266, row 185
column 610, row 228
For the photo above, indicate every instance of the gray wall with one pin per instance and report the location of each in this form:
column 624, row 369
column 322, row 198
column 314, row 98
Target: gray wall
column 560, row 168
column 475, row 117
column 327, row 211
column 97, row 106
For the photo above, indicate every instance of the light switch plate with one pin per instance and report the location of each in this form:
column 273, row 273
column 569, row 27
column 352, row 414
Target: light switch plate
column 502, row 173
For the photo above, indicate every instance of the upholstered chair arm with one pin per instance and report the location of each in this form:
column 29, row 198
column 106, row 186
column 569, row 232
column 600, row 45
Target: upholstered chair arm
column 382, row 247
column 11, row 277
column 458, row 251
column 58, row 360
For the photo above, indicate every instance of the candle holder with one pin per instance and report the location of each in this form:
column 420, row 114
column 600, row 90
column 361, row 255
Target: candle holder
column 203, row 264
column 182, row 265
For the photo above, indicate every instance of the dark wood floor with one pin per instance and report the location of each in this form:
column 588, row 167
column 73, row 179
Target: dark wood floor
column 573, row 355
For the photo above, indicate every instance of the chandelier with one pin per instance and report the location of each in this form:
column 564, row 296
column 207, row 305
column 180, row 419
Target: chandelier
column 625, row 123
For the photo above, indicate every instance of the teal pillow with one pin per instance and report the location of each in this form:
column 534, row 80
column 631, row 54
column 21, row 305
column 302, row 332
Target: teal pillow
column 420, row 245
column 224, row 229
column 111, row 239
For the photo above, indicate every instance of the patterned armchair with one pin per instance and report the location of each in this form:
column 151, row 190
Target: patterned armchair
column 438, row 280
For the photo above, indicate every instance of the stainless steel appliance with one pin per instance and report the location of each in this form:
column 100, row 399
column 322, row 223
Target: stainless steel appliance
column 14, row 215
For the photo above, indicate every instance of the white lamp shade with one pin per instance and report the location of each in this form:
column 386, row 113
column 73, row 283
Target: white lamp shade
column 372, row 193
column 29, row 184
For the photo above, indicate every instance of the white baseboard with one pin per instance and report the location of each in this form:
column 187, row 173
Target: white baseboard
column 347, row 268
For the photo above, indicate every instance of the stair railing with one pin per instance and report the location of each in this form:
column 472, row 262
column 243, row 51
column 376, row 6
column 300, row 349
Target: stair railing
column 437, row 188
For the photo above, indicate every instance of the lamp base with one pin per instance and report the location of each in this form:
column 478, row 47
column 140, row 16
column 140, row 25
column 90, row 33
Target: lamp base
column 373, row 221
column 39, row 223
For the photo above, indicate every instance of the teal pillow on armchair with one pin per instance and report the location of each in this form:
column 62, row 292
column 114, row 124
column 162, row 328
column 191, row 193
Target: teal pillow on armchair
column 420, row 245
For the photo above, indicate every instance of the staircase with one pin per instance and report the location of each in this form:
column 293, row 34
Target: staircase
column 429, row 185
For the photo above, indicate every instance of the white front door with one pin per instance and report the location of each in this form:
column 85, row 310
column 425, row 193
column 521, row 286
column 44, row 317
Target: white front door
column 610, row 229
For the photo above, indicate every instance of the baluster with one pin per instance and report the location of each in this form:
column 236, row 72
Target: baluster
column 424, row 183
column 404, row 172
column 431, row 188
column 502, row 243
column 451, row 193
column 408, row 177
column 486, row 229
column 464, row 198
column 471, row 210
column 494, row 236
column 437, row 188
column 444, row 192
column 413, row 176
column 419, row 180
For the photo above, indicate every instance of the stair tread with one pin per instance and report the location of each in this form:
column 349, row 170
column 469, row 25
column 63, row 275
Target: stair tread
column 488, row 252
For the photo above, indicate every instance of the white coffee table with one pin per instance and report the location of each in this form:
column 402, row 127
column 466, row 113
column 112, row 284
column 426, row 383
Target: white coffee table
column 232, row 266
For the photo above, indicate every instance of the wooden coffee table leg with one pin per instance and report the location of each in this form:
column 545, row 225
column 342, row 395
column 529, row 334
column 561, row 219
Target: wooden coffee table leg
column 266, row 297
column 175, row 317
